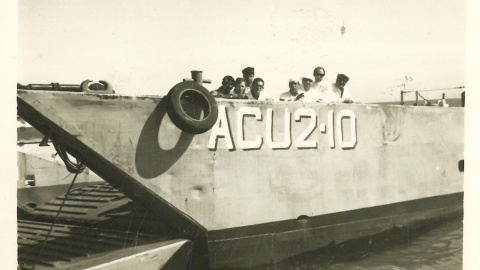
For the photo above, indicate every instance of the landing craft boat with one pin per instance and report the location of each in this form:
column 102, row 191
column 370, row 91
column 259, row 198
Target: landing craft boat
column 254, row 183
column 84, row 223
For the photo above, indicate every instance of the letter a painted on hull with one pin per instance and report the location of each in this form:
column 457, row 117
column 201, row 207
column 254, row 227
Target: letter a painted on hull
column 221, row 129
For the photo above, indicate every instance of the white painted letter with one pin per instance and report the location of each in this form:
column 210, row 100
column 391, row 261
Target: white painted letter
column 221, row 129
column 301, row 141
column 287, row 139
column 339, row 129
column 251, row 111
column 331, row 138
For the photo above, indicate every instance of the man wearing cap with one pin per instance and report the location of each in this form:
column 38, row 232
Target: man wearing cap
column 311, row 94
column 257, row 93
column 293, row 94
column 227, row 86
column 339, row 92
column 248, row 75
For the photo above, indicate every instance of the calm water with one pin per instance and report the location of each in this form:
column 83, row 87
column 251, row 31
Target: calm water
column 436, row 246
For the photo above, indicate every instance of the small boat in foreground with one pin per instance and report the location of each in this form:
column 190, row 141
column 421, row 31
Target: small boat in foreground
column 254, row 183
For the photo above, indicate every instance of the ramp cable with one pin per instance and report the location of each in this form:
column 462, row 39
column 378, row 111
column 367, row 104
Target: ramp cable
column 71, row 166
column 55, row 219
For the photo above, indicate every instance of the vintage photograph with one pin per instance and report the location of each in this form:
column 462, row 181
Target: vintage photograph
column 243, row 134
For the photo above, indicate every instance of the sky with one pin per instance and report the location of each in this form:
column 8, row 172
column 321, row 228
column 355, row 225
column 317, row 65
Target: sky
column 146, row 47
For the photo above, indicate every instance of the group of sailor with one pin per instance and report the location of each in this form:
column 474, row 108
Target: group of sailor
column 308, row 90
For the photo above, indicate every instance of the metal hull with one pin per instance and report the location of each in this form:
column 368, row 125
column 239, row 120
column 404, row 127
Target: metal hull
column 272, row 243
column 264, row 163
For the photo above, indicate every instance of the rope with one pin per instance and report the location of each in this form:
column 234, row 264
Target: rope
column 71, row 166
column 422, row 97
column 55, row 220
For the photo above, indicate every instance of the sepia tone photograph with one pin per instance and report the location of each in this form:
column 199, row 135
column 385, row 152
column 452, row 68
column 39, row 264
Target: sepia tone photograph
column 244, row 134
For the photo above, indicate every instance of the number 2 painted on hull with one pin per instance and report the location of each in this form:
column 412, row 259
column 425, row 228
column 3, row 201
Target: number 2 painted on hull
column 301, row 142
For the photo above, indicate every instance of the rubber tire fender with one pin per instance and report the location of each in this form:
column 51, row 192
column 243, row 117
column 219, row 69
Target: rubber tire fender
column 184, row 121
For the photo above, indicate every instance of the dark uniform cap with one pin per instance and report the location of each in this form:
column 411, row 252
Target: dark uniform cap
column 248, row 71
column 342, row 77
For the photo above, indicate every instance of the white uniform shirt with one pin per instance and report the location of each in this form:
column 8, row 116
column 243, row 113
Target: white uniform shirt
column 262, row 97
column 322, row 88
column 335, row 95
column 312, row 95
column 287, row 96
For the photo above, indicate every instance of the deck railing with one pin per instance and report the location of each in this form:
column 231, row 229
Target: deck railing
column 417, row 95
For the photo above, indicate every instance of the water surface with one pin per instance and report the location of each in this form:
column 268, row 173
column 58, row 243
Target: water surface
column 434, row 246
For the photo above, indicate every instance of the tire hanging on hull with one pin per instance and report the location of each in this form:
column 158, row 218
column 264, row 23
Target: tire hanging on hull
column 191, row 107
